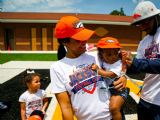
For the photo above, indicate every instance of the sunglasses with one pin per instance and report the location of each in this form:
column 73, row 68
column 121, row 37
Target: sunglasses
column 102, row 88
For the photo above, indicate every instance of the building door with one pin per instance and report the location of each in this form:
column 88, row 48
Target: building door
column 10, row 41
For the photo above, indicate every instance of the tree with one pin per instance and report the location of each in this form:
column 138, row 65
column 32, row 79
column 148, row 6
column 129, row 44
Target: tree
column 116, row 12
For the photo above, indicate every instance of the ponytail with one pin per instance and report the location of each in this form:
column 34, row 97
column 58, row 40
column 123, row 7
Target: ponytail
column 61, row 50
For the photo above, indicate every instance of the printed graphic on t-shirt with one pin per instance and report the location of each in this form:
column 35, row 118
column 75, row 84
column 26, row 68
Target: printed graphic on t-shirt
column 83, row 79
column 34, row 104
column 152, row 52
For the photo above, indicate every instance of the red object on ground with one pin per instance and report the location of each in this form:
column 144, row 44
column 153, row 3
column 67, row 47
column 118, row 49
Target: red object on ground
column 9, row 48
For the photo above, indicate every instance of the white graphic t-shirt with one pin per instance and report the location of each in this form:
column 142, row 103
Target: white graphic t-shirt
column 149, row 48
column 33, row 101
column 76, row 77
column 115, row 67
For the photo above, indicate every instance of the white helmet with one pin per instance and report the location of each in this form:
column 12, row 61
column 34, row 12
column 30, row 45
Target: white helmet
column 144, row 11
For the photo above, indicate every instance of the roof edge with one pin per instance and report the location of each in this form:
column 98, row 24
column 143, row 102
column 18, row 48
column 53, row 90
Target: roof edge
column 55, row 21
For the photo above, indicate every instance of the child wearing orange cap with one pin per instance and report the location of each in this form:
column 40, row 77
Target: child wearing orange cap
column 108, row 49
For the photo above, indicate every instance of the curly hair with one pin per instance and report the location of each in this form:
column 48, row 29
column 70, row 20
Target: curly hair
column 27, row 77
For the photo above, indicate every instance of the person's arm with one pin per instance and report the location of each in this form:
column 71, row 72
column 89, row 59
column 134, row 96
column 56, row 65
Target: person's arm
column 126, row 55
column 146, row 65
column 102, row 72
column 131, row 70
column 23, row 110
column 141, row 65
column 59, row 89
column 65, row 105
column 45, row 100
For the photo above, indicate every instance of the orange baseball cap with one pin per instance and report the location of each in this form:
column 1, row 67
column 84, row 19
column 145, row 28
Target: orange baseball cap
column 108, row 42
column 70, row 26
column 34, row 117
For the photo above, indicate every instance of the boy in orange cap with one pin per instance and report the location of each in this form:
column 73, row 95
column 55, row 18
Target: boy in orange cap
column 108, row 49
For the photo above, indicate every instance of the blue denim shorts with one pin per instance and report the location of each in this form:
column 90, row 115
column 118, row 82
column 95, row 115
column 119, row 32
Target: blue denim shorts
column 122, row 94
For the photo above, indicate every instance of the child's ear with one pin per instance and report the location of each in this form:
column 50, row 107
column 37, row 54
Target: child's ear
column 28, row 84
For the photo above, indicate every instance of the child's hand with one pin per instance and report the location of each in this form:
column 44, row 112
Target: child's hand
column 94, row 67
column 43, row 111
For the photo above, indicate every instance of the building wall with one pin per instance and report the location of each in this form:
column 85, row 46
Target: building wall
column 23, row 36
column 2, row 47
column 128, row 36
column 40, row 36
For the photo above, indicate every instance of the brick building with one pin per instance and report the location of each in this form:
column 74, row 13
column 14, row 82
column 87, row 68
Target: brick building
column 35, row 31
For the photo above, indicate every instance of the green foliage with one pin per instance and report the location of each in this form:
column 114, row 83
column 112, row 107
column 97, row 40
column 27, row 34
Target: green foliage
column 116, row 12
column 134, row 55
column 6, row 57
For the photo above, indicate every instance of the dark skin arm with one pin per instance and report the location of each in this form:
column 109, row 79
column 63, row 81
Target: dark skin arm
column 102, row 72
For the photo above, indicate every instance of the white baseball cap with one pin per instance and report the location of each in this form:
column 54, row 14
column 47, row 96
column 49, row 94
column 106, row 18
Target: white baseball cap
column 144, row 11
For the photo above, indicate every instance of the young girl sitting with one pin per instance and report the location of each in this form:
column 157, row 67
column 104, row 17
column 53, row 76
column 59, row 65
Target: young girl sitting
column 33, row 98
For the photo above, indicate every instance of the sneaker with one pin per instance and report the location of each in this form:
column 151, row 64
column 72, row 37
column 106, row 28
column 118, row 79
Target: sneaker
column 2, row 106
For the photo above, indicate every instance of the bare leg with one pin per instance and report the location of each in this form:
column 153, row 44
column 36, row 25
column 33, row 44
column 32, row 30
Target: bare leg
column 116, row 102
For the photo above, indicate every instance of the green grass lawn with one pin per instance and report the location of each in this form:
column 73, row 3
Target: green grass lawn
column 6, row 57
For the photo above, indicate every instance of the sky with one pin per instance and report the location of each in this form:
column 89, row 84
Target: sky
column 72, row 6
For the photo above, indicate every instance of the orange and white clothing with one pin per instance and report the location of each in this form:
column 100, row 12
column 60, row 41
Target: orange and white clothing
column 33, row 101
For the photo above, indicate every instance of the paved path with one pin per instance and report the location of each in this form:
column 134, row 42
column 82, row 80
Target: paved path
column 10, row 69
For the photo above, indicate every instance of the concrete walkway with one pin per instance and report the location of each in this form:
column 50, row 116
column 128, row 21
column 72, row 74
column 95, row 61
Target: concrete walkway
column 10, row 69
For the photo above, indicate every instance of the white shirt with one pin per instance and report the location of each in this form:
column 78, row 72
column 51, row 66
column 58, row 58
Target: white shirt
column 33, row 101
column 115, row 67
column 76, row 77
column 151, row 86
